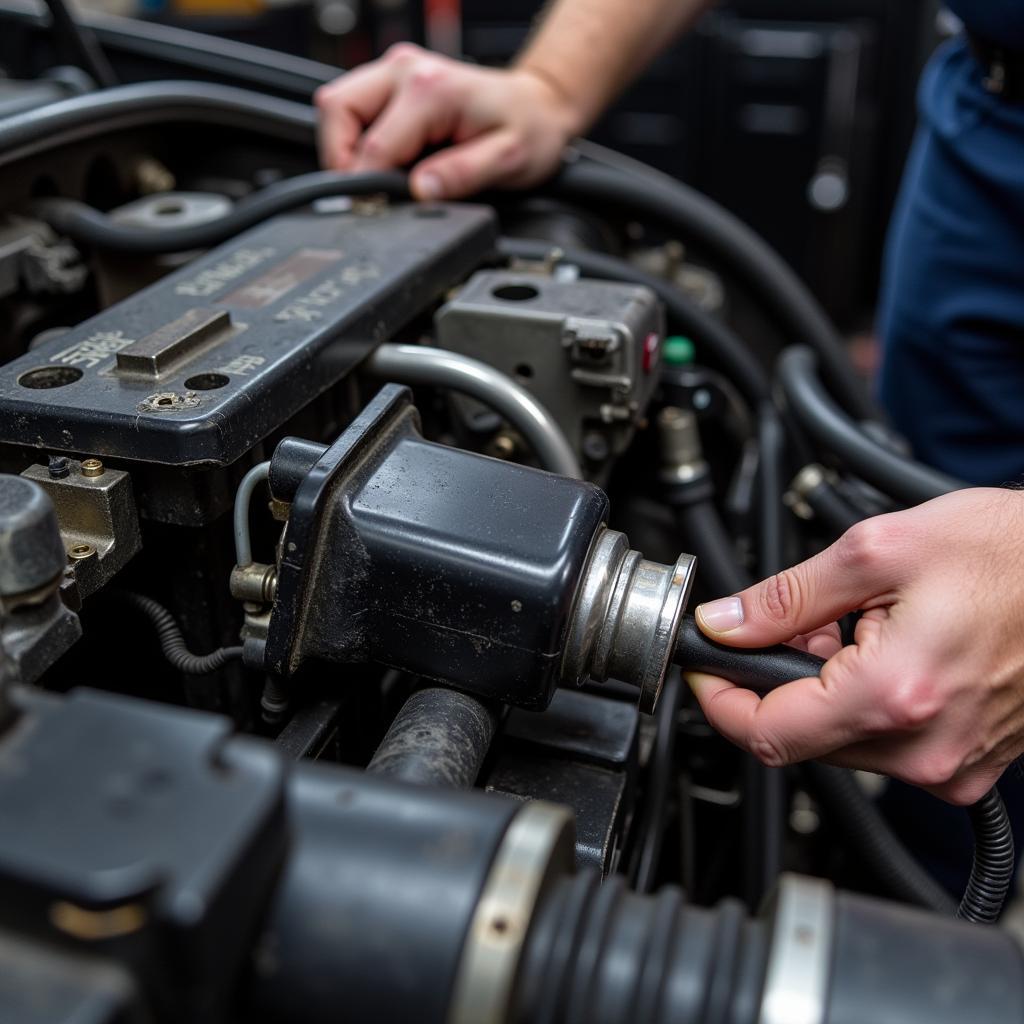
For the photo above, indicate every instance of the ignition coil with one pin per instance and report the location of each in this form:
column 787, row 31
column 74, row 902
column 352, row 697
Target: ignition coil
column 498, row 579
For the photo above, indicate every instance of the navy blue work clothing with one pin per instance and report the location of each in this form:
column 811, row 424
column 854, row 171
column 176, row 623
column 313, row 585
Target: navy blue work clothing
column 952, row 310
column 952, row 325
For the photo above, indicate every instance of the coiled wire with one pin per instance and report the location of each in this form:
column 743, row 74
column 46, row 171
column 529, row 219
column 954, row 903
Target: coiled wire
column 172, row 643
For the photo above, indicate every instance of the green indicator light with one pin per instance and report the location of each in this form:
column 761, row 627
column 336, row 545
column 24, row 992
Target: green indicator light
column 677, row 351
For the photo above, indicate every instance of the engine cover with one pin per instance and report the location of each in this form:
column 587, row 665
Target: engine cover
column 199, row 367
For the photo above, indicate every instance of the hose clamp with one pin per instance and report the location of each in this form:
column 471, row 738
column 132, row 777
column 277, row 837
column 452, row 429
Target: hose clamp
column 537, row 847
column 803, row 926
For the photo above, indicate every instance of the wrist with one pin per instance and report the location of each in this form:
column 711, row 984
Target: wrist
column 569, row 110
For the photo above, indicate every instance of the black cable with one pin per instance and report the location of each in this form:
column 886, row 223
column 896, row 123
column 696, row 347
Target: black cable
column 765, row 788
column 703, row 534
column 740, row 253
column 660, row 772
column 715, row 338
column 871, row 839
column 909, row 481
column 771, row 441
column 172, row 643
column 829, row 506
column 80, row 44
column 84, row 223
column 992, row 868
column 844, row 802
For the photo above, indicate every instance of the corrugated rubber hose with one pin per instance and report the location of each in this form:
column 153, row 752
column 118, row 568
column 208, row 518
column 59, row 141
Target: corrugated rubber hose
column 172, row 643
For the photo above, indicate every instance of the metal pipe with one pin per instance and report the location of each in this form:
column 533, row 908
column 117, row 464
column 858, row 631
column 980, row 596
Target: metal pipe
column 418, row 364
column 243, row 498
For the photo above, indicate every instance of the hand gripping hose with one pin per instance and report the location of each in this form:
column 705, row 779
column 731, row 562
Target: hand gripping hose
column 764, row 669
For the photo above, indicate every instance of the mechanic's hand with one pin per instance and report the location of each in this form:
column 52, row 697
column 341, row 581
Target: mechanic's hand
column 932, row 689
column 507, row 128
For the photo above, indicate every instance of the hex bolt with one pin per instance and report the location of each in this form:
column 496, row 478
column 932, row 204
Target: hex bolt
column 58, row 467
column 92, row 467
column 503, row 447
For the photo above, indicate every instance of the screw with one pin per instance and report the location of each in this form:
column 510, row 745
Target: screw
column 503, row 447
column 92, row 467
column 58, row 467
column 81, row 551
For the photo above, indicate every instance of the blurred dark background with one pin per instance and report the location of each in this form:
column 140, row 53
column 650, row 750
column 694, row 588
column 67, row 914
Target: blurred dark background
column 795, row 114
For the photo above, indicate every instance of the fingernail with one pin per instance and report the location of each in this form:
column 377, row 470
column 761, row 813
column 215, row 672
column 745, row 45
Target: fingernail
column 429, row 186
column 721, row 616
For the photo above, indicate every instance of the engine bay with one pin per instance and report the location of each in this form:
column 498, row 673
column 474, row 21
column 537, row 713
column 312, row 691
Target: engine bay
column 346, row 547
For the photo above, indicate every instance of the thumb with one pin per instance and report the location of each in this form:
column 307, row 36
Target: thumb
column 843, row 578
column 469, row 167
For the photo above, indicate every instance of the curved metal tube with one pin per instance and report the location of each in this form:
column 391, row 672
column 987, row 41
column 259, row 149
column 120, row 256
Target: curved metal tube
column 416, row 364
column 243, row 498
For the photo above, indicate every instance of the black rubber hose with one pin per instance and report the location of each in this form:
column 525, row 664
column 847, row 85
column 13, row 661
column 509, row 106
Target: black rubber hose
column 703, row 534
column 992, row 868
column 714, row 337
column 904, row 479
column 762, row 670
column 84, row 223
column 440, row 737
column 81, row 44
column 872, row 840
column 766, row 813
column 738, row 250
column 771, row 441
column 660, row 773
column 598, row 953
column 831, row 508
column 148, row 105
column 172, row 643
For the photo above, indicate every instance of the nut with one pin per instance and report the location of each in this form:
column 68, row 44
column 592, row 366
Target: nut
column 92, row 467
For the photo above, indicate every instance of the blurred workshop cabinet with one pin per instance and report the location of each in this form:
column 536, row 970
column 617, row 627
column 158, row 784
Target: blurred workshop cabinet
column 795, row 114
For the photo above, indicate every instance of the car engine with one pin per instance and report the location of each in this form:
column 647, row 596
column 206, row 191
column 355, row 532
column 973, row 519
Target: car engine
column 346, row 544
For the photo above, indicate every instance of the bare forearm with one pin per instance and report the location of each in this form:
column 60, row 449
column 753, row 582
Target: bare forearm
column 590, row 49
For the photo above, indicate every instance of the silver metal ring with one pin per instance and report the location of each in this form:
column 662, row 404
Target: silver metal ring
column 674, row 596
column 803, row 924
column 590, row 605
column 625, row 617
column 537, row 847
